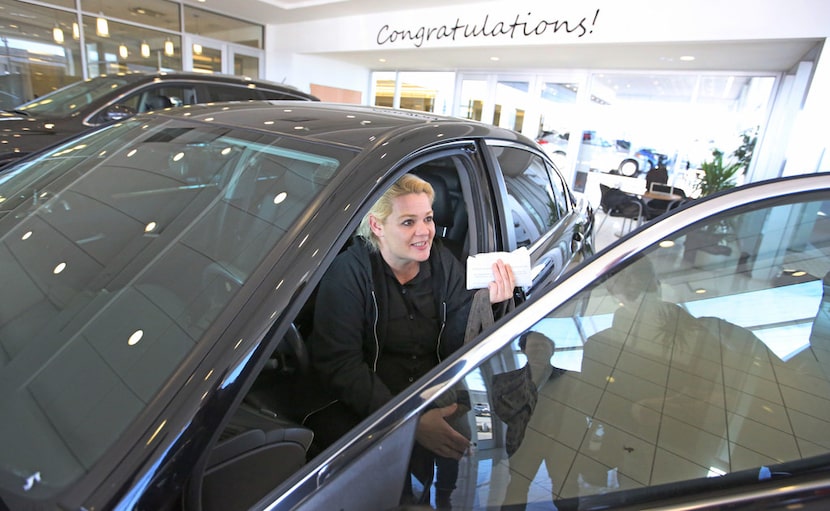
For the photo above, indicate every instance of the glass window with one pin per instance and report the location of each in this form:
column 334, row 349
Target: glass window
column 425, row 92
column 703, row 356
column 471, row 104
column 129, row 48
column 230, row 93
column 533, row 204
column 153, row 13
column 223, row 28
column 40, row 52
column 207, row 59
column 245, row 65
column 511, row 99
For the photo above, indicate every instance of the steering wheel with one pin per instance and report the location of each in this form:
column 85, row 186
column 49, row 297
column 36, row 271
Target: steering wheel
column 291, row 355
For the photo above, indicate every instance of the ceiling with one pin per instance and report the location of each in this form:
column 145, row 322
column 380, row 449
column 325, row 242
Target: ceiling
column 745, row 56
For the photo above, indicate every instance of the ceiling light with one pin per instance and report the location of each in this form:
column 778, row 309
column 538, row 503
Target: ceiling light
column 123, row 52
column 135, row 337
column 495, row 59
column 197, row 48
column 145, row 49
column 687, row 58
column 76, row 31
column 168, row 48
column 101, row 26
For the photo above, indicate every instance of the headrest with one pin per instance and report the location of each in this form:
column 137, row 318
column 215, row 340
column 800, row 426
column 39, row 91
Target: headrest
column 442, row 204
column 158, row 102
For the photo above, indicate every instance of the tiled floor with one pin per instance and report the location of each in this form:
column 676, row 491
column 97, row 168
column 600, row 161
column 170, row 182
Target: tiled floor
column 671, row 407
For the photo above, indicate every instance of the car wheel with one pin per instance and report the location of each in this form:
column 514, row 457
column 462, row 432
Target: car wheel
column 629, row 167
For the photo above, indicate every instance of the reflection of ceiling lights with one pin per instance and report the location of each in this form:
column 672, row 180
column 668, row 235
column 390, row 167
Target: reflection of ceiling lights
column 123, row 52
column 168, row 48
column 197, row 48
column 145, row 49
column 76, row 31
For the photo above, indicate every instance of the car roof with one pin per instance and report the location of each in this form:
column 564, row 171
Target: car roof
column 356, row 126
column 138, row 77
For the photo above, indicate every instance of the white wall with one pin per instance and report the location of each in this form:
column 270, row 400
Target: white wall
column 301, row 70
column 291, row 47
column 603, row 21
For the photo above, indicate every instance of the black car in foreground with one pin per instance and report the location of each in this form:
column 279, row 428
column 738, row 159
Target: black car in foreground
column 159, row 273
column 104, row 99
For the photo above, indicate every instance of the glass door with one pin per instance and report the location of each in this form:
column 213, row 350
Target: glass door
column 204, row 55
column 245, row 62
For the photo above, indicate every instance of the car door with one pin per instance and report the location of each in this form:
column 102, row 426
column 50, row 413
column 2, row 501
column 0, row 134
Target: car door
column 686, row 367
column 538, row 210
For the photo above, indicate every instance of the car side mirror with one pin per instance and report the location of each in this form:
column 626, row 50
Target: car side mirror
column 118, row 112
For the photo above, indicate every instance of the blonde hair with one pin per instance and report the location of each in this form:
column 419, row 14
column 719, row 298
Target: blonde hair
column 407, row 184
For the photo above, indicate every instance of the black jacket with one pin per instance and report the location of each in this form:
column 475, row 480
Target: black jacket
column 350, row 322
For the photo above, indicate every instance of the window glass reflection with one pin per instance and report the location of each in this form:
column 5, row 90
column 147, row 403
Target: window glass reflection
column 129, row 48
column 708, row 355
column 152, row 13
column 40, row 52
column 223, row 28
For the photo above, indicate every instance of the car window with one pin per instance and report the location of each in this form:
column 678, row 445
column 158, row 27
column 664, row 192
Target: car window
column 272, row 94
column 74, row 97
column 533, row 205
column 219, row 92
column 704, row 356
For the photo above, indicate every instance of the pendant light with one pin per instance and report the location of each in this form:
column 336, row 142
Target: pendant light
column 101, row 26
column 57, row 34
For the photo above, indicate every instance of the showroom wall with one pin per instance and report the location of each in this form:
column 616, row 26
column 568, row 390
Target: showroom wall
column 800, row 103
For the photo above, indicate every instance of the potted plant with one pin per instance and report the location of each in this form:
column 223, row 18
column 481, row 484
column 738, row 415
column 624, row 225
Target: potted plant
column 715, row 242
column 716, row 175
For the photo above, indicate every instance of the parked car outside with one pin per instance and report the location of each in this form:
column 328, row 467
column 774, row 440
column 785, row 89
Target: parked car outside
column 161, row 271
column 482, row 409
column 104, row 99
column 596, row 154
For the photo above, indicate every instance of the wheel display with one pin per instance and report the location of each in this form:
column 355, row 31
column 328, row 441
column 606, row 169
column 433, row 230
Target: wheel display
column 629, row 167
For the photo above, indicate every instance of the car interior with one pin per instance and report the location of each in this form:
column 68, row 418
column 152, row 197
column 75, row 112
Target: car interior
column 265, row 442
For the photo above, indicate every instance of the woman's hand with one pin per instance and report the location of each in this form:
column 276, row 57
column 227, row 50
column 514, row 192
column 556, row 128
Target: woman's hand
column 501, row 288
column 436, row 434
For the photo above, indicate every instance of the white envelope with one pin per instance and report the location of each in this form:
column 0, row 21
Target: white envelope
column 480, row 267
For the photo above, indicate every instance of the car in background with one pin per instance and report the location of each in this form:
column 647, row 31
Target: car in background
column 596, row 154
column 648, row 159
column 481, row 409
column 162, row 273
column 104, row 99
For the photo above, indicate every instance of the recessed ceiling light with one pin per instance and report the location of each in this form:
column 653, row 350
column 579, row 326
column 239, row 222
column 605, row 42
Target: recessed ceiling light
column 687, row 58
column 495, row 59
column 381, row 60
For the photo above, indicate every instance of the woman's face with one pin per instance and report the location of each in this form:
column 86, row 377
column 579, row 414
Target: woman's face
column 406, row 235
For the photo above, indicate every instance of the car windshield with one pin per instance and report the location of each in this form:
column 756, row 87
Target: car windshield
column 74, row 97
column 118, row 252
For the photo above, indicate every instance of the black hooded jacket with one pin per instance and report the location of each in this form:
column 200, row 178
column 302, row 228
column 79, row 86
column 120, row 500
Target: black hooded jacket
column 350, row 322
